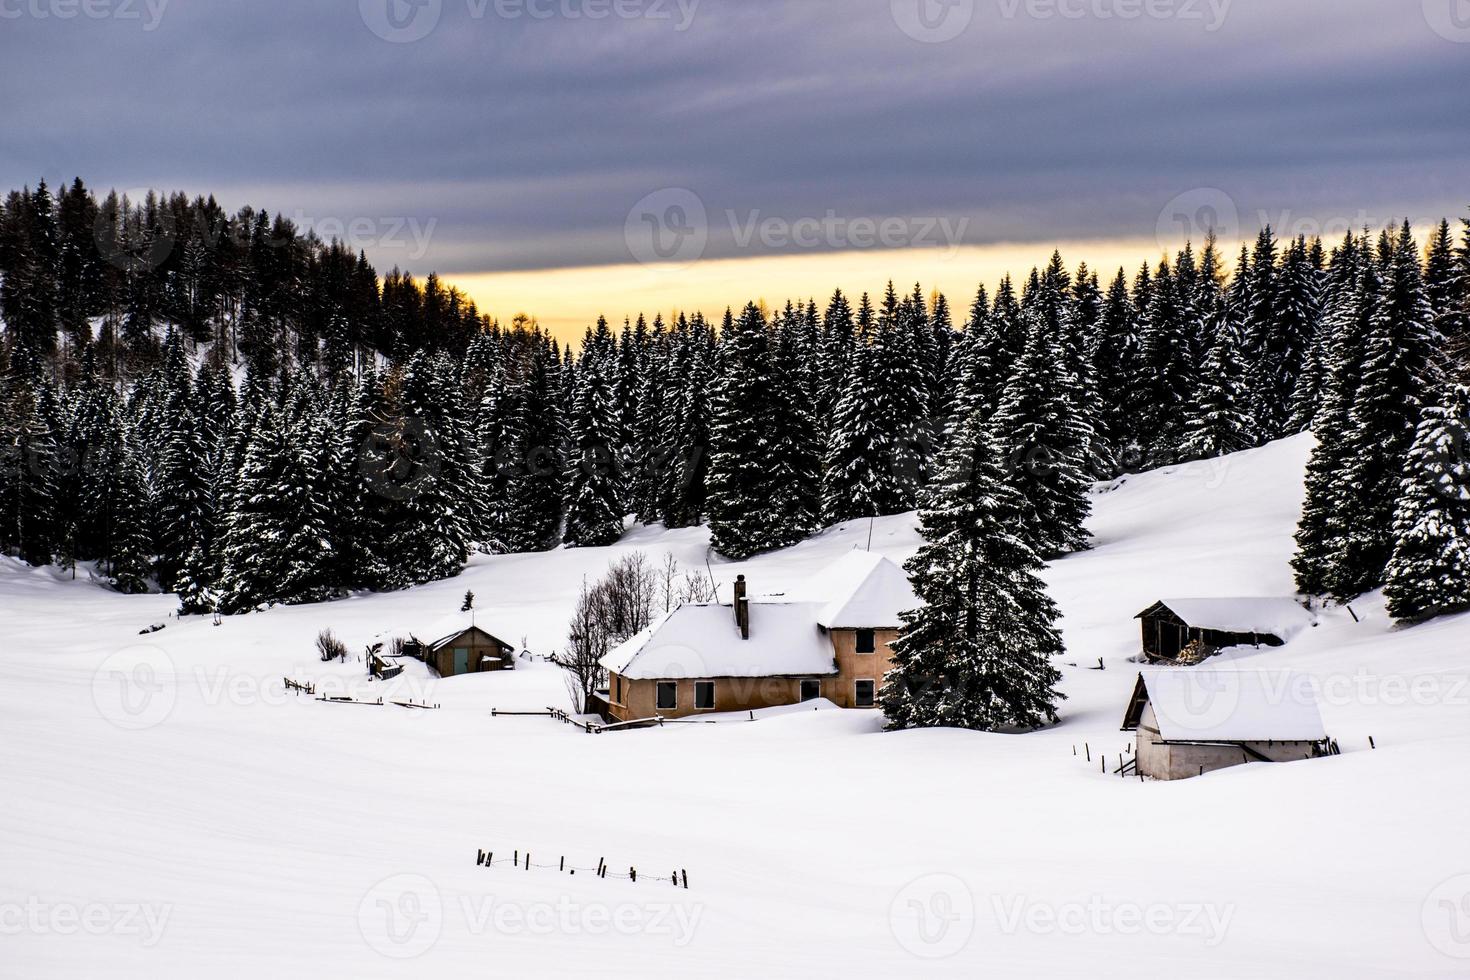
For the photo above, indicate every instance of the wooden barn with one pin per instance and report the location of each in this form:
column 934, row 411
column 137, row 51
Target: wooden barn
column 1194, row 721
column 1186, row 631
column 470, row 650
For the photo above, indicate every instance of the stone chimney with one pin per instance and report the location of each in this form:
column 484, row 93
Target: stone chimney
column 742, row 608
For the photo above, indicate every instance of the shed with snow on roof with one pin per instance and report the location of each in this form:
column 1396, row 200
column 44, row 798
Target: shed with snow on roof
column 1186, row 631
column 1194, row 721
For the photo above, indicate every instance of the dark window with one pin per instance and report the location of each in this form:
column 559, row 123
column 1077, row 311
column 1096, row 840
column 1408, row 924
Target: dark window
column 618, row 690
column 811, row 690
column 865, row 641
column 668, row 695
column 863, row 693
column 704, row 695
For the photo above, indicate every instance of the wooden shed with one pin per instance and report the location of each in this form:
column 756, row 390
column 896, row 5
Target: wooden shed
column 469, row 651
column 1190, row 722
column 1187, row 631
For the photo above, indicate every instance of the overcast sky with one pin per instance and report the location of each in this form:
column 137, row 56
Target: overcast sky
column 481, row 136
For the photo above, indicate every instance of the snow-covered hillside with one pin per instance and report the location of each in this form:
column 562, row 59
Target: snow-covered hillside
column 168, row 811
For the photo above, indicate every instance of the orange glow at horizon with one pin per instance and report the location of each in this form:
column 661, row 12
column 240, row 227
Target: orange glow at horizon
column 566, row 301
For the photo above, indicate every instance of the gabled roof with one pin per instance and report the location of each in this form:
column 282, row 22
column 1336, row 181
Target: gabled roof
column 703, row 641
column 459, row 631
column 1267, row 615
column 1205, row 705
column 864, row 591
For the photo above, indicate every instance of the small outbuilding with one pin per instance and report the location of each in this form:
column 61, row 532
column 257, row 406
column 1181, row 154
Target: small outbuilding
column 1190, row 722
column 1186, row 631
column 468, row 651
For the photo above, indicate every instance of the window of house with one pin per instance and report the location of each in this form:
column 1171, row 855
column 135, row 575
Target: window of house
column 668, row 695
column 811, row 690
column 704, row 695
column 863, row 693
column 866, row 642
column 618, row 690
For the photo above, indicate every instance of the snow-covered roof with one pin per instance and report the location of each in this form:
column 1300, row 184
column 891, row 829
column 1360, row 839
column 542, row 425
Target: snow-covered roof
column 1274, row 615
column 704, row 641
column 1204, row 705
column 864, row 591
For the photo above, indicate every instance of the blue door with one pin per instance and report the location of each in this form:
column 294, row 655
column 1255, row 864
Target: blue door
column 461, row 660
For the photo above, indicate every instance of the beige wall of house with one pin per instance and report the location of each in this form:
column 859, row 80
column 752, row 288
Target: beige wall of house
column 853, row 666
column 632, row 700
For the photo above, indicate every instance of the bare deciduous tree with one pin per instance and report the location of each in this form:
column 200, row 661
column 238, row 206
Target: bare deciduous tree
column 587, row 643
column 617, row 608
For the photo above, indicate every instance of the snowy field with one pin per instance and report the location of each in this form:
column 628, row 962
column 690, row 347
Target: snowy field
column 168, row 811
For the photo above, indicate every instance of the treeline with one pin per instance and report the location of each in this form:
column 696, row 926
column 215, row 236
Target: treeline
column 381, row 431
column 78, row 274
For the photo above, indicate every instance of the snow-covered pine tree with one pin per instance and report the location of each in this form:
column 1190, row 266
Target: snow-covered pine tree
column 792, row 497
column 1429, row 573
column 128, row 553
column 1457, row 342
column 740, row 519
column 653, row 388
column 1219, row 412
column 1398, row 375
column 1044, row 441
column 432, row 522
column 181, row 486
column 1010, row 329
column 1268, row 393
column 979, row 367
column 535, row 485
column 1447, row 288
column 835, row 344
column 901, row 411
column 29, row 473
column 686, row 424
column 593, row 479
column 851, row 484
column 362, row 530
column 1168, row 369
column 1114, row 357
column 977, row 654
column 277, row 546
column 1299, row 302
column 1345, row 327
